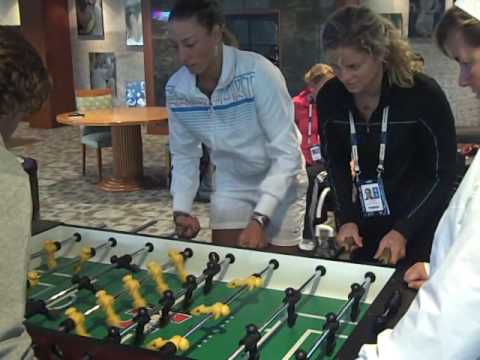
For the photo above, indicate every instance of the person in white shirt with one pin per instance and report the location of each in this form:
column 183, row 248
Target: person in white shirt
column 25, row 86
column 237, row 104
column 442, row 321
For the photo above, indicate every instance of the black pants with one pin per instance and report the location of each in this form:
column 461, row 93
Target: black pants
column 312, row 172
column 30, row 167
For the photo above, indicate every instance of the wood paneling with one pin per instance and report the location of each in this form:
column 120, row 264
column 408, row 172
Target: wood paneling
column 160, row 128
column 45, row 24
column 148, row 52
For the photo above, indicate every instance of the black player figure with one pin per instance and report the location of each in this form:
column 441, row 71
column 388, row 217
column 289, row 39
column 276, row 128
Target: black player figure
column 250, row 341
column 356, row 293
column 332, row 324
column 37, row 306
column 300, row 355
column 167, row 301
column 124, row 262
column 190, row 286
column 213, row 268
column 84, row 282
column 391, row 307
column 142, row 318
column 291, row 298
column 114, row 334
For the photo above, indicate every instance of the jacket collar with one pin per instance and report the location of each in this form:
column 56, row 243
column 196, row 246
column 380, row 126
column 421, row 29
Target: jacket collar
column 305, row 95
column 385, row 94
column 188, row 82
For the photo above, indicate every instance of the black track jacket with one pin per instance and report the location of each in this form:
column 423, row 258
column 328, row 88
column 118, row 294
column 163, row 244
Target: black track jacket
column 420, row 152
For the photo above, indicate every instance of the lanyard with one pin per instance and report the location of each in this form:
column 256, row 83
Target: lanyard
column 383, row 144
column 310, row 122
column 309, row 129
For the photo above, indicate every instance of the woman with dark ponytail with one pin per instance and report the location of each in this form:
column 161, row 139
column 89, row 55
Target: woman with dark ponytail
column 237, row 104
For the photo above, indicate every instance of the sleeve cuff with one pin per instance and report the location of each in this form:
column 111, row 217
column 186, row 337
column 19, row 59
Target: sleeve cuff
column 403, row 229
column 427, row 268
column 347, row 219
column 183, row 203
column 266, row 205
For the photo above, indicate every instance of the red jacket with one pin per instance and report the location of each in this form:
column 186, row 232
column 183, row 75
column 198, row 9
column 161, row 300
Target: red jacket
column 301, row 102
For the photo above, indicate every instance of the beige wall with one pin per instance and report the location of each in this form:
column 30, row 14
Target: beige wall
column 390, row 6
column 9, row 12
column 129, row 60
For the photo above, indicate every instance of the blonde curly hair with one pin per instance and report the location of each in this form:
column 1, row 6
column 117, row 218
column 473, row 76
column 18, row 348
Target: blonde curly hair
column 360, row 28
column 317, row 72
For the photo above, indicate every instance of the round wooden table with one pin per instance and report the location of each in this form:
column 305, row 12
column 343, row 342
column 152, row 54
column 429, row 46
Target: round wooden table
column 126, row 141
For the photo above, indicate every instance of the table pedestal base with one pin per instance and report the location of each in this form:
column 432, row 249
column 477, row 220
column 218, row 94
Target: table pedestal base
column 119, row 185
column 127, row 160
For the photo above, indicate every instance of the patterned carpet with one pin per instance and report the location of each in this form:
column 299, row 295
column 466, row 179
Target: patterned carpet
column 68, row 197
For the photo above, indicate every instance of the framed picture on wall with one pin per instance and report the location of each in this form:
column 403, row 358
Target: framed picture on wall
column 135, row 93
column 89, row 18
column 396, row 19
column 133, row 20
column 424, row 17
column 103, row 71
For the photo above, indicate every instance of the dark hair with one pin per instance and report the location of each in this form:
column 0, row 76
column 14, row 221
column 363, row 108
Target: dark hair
column 23, row 78
column 455, row 19
column 207, row 12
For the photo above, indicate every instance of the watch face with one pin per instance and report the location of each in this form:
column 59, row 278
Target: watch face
column 261, row 219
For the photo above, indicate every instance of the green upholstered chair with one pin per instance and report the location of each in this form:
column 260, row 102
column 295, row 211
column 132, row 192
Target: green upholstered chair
column 96, row 137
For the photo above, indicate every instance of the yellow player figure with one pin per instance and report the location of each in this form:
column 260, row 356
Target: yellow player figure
column 106, row 302
column 156, row 272
column 78, row 319
column 217, row 310
column 133, row 287
column 178, row 261
column 50, row 248
column 85, row 255
column 252, row 282
column 33, row 278
column 180, row 343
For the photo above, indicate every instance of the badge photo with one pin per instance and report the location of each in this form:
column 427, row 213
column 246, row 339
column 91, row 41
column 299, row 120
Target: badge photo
column 316, row 153
column 372, row 198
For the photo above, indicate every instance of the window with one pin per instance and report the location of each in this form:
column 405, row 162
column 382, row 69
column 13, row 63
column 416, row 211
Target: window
column 256, row 32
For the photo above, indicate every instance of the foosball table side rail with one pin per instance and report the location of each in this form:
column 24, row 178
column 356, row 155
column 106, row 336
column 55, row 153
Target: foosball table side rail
column 54, row 345
column 367, row 329
column 292, row 269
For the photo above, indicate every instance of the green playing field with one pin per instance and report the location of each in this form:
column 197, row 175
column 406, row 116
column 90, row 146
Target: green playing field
column 216, row 339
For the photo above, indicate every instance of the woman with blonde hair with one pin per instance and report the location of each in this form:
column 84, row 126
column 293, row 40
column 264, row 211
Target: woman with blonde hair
column 378, row 112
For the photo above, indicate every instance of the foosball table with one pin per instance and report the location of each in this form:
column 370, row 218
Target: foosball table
column 98, row 294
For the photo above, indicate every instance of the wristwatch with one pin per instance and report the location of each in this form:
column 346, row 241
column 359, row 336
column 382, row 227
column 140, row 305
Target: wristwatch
column 263, row 220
